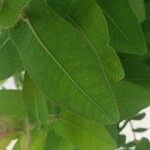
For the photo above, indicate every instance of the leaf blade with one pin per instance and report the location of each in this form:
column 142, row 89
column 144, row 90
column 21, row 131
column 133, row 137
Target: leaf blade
column 73, row 63
column 83, row 134
column 129, row 98
column 94, row 29
column 9, row 58
column 35, row 103
column 10, row 11
column 122, row 38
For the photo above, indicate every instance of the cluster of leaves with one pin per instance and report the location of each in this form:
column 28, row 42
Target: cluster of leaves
column 80, row 67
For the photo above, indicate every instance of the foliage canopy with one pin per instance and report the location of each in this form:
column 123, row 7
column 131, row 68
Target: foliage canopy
column 80, row 68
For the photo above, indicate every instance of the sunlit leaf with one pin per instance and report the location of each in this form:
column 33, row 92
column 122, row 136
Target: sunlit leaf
column 84, row 134
column 139, row 116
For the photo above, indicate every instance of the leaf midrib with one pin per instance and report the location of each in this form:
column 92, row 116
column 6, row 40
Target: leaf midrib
column 94, row 49
column 55, row 60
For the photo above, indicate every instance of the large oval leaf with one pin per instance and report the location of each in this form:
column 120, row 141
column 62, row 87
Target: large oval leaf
column 66, row 69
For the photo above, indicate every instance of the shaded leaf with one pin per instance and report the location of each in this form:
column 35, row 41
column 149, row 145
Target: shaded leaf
column 138, row 7
column 144, row 144
column 131, row 98
column 146, row 31
column 137, row 72
column 88, row 19
column 147, row 5
column 139, row 116
column 140, row 130
column 72, row 75
column 130, row 144
column 121, row 140
column 124, row 29
column 113, row 131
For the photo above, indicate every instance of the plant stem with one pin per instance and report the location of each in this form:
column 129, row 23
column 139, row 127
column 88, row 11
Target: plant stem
column 27, row 135
column 134, row 136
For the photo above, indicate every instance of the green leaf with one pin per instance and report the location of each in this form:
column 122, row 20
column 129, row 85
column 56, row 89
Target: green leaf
column 139, row 9
column 11, row 104
column 35, row 103
column 137, row 72
column 112, row 129
column 57, row 143
column 38, row 140
column 131, row 98
column 88, row 19
column 9, row 59
column 146, row 31
column 140, row 130
column 66, row 69
column 121, row 140
column 147, row 6
column 10, row 11
column 125, row 32
column 84, row 134
column 130, row 144
column 144, row 144
column 139, row 116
